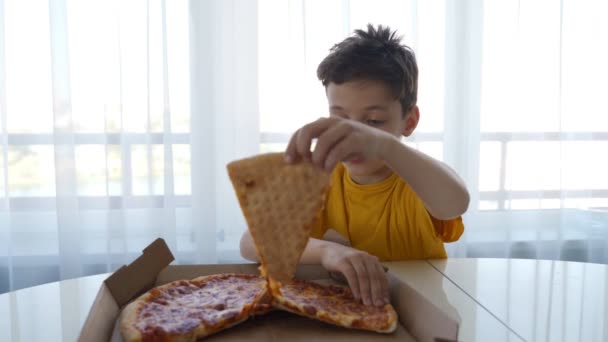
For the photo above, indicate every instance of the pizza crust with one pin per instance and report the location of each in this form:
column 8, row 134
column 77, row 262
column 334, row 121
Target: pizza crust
column 128, row 318
column 344, row 321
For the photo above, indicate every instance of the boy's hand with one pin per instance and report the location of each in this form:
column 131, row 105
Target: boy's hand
column 364, row 273
column 338, row 140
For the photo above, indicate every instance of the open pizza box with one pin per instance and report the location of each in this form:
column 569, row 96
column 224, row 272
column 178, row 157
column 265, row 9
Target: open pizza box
column 419, row 319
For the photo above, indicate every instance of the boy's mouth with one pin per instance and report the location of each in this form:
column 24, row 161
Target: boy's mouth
column 356, row 160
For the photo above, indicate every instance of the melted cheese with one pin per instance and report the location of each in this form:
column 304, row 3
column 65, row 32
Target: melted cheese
column 213, row 302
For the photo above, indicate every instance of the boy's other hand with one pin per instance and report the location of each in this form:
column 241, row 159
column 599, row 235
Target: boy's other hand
column 364, row 273
column 338, row 140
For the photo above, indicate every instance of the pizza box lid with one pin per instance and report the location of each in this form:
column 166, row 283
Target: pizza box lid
column 419, row 318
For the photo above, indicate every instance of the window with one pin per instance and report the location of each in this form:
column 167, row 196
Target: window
column 91, row 96
column 541, row 134
column 543, row 123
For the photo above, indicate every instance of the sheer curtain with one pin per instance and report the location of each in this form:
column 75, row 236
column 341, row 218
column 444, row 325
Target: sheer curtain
column 118, row 118
column 543, row 132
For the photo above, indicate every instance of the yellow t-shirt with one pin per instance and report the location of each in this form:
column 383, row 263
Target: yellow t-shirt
column 385, row 219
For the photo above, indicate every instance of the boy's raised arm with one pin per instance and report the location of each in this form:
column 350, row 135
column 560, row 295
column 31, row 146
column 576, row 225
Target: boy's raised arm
column 439, row 187
column 443, row 192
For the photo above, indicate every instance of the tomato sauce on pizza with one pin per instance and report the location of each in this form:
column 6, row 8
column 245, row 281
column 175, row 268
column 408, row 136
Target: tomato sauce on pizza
column 195, row 308
column 333, row 304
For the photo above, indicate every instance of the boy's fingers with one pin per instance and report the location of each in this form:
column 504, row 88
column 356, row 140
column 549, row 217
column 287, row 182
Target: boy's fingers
column 376, row 281
column 326, row 141
column 290, row 151
column 351, row 277
column 363, row 280
column 303, row 142
column 307, row 133
column 384, row 291
column 342, row 150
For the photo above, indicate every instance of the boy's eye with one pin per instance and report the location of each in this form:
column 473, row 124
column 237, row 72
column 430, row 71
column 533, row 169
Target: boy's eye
column 374, row 122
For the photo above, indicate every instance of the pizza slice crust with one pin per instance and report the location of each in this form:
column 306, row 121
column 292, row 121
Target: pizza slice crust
column 341, row 321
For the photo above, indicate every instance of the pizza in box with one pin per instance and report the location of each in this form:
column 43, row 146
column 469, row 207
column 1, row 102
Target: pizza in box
column 280, row 202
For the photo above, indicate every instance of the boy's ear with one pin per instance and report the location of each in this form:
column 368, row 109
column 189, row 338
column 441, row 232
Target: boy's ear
column 411, row 121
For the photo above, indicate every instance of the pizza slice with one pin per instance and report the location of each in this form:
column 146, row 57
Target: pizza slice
column 332, row 304
column 187, row 310
column 281, row 203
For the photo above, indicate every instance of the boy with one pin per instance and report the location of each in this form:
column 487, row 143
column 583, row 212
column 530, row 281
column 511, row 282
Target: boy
column 387, row 200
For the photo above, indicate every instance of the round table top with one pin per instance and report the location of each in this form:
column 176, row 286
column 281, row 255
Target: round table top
column 493, row 299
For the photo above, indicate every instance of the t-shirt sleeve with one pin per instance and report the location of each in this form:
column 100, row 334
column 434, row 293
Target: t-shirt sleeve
column 448, row 230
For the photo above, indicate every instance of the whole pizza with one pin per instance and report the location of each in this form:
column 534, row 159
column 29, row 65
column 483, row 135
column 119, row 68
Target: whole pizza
column 188, row 310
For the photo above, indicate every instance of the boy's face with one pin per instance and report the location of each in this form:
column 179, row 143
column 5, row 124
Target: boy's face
column 371, row 103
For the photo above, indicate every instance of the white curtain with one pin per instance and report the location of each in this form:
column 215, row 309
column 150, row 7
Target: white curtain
column 118, row 118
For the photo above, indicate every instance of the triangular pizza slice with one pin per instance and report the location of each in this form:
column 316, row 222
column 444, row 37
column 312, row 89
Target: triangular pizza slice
column 281, row 203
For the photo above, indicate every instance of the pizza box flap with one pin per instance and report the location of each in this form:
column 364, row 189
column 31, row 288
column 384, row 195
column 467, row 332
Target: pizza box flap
column 123, row 285
column 101, row 318
column 129, row 281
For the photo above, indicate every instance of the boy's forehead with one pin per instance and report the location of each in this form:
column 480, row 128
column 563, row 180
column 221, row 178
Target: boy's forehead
column 359, row 91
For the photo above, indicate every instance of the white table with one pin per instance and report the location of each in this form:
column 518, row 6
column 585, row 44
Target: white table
column 494, row 300
column 540, row 300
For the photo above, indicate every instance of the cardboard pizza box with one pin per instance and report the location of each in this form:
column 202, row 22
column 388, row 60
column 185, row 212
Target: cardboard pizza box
column 419, row 318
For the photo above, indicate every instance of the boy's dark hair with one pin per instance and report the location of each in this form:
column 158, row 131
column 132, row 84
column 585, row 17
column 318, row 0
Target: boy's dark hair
column 376, row 54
